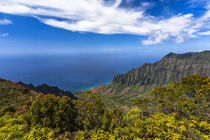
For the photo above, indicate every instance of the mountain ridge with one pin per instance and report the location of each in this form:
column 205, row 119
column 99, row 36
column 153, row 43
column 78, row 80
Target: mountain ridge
column 46, row 89
column 138, row 82
column 166, row 65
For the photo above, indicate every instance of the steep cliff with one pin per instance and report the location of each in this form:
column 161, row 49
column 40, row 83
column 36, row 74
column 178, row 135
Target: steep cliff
column 170, row 68
column 128, row 87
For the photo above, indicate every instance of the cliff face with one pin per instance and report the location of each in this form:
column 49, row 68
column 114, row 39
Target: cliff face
column 137, row 83
column 170, row 68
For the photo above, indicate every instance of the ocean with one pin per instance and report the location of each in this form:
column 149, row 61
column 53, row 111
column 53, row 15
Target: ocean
column 71, row 72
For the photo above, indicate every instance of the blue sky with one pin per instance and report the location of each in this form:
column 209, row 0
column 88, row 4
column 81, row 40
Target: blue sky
column 98, row 26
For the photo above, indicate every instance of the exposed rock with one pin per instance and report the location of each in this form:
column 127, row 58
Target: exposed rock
column 124, row 91
column 98, row 88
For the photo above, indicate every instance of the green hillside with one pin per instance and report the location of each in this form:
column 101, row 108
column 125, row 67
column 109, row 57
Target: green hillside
column 177, row 111
column 137, row 83
column 13, row 96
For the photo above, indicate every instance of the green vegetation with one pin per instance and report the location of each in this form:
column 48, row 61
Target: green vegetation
column 46, row 108
column 128, row 87
column 178, row 111
column 120, row 100
column 13, row 97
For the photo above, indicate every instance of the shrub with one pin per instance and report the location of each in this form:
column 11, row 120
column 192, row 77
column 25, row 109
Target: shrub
column 52, row 112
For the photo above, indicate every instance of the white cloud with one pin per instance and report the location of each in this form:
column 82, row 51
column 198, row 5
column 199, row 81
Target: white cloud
column 204, row 33
column 178, row 27
column 5, row 21
column 97, row 16
column 5, row 35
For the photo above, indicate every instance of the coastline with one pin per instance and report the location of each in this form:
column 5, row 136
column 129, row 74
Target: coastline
column 89, row 88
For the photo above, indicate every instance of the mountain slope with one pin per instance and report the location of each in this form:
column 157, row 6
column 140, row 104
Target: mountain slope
column 128, row 87
column 15, row 95
column 46, row 89
column 170, row 68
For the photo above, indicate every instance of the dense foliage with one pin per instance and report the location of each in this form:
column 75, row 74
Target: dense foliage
column 12, row 95
column 188, row 98
column 52, row 112
column 178, row 111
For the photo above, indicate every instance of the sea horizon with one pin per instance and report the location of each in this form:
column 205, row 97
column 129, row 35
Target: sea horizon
column 70, row 72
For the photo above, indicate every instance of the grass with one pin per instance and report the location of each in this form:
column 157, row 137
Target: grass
column 119, row 100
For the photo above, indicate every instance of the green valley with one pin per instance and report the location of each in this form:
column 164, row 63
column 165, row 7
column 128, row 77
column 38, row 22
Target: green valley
column 137, row 83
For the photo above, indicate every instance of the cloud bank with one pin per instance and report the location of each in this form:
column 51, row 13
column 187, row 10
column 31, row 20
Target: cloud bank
column 102, row 17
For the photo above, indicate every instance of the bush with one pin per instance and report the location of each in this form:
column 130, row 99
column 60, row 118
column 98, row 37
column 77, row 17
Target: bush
column 52, row 112
column 12, row 128
column 7, row 109
column 91, row 111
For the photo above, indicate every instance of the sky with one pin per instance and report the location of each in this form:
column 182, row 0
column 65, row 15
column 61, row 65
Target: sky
column 103, row 26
